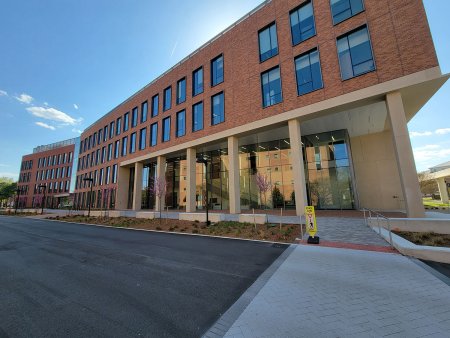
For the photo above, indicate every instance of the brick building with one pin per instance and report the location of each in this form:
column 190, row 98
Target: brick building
column 313, row 95
column 49, row 168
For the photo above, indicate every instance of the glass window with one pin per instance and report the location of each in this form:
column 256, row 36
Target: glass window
column 116, row 149
column 344, row 9
column 309, row 76
column 107, row 177
column 181, row 91
column 119, row 126
column 124, row 145
column 355, row 53
column 217, row 70
column 271, row 87
column 126, row 121
column 167, row 104
column 114, row 173
column 133, row 143
column 105, row 134
column 155, row 105
column 142, row 138
column 134, row 117
column 103, row 155
column 302, row 23
column 197, row 116
column 144, row 111
column 111, row 129
column 154, row 134
column 181, row 123
column 197, row 81
column 110, row 149
column 166, row 129
column 268, row 44
column 218, row 109
column 100, row 136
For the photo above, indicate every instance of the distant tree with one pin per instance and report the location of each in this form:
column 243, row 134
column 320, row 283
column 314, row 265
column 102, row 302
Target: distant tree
column 428, row 186
column 277, row 197
column 8, row 188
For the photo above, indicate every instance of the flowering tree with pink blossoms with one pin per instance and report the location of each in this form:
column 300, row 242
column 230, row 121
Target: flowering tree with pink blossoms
column 159, row 189
column 263, row 183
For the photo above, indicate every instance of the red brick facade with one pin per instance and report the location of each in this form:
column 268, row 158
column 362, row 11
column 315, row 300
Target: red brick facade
column 401, row 43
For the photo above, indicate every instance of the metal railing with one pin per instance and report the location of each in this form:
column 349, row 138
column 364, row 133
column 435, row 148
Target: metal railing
column 378, row 215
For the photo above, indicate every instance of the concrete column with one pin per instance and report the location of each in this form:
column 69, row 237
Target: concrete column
column 233, row 175
column 190, row 179
column 298, row 167
column 443, row 191
column 137, row 193
column 404, row 155
column 123, row 180
column 160, row 172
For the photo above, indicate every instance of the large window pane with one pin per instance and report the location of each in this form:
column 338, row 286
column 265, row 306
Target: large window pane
column 271, row 87
column 309, row 77
column 134, row 117
column 218, row 109
column 197, row 82
column 268, row 44
column 197, row 117
column 302, row 23
column 132, row 143
column 181, row 123
column 355, row 54
column 154, row 134
column 166, row 129
column 167, row 98
column 155, row 105
column 217, row 70
column 144, row 111
column 181, row 91
column 344, row 9
column 142, row 138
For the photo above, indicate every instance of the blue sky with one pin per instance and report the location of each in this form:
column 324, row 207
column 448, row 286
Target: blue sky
column 64, row 64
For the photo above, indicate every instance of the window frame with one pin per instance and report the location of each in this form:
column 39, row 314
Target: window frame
column 179, row 82
column 193, row 117
column 213, row 84
column 267, row 27
column 351, row 16
column 144, row 116
column 151, row 134
column 194, row 93
column 212, row 108
column 262, row 86
column 164, row 99
column 299, row 7
column 163, row 129
column 152, row 114
column 320, row 67
column 142, row 145
column 177, row 125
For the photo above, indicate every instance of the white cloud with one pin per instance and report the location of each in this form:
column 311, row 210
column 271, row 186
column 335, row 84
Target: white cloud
column 53, row 115
column 443, row 131
column 3, row 93
column 75, row 106
column 45, row 125
column 45, row 103
column 78, row 131
column 24, row 98
column 14, row 176
column 418, row 133
column 429, row 155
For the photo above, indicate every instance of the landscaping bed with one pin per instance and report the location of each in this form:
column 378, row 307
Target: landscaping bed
column 19, row 214
column 425, row 238
column 268, row 232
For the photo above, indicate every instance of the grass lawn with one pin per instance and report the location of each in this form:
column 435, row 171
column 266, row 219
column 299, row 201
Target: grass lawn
column 268, row 232
column 429, row 202
column 425, row 238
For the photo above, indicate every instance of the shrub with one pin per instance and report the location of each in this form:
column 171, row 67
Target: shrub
column 158, row 228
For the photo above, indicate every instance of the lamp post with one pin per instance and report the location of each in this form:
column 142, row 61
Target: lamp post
column 90, row 180
column 17, row 202
column 40, row 186
column 204, row 160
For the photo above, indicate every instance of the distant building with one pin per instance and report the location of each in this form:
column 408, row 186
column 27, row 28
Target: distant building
column 48, row 170
column 441, row 174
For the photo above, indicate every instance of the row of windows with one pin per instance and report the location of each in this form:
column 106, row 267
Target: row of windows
column 55, row 173
column 303, row 25
column 26, row 165
column 55, row 160
column 53, row 187
column 115, row 128
column 103, row 176
column 24, row 177
column 355, row 58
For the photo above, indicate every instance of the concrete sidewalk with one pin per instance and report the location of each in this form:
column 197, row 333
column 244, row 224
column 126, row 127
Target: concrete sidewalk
column 330, row 292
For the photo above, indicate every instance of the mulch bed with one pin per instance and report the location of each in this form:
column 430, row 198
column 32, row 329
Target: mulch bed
column 268, row 232
column 425, row 238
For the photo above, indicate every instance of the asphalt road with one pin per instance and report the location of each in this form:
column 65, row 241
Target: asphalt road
column 72, row 280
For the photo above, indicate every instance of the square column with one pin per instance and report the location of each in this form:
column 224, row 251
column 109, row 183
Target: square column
column 233, row 175
column 298, row 167
column 137, row 193
column 160, row 172
column 404, row 155
column 191, row 160
column 123, row 181
column 443, row 191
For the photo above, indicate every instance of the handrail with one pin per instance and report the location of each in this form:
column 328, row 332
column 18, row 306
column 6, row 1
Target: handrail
column 379, row 215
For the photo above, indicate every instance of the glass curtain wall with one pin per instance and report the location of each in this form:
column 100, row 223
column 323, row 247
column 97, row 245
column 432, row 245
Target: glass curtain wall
column 272, row 162
column 148, row 180
column 176, row 169
column 214, row 178
column 329, row 178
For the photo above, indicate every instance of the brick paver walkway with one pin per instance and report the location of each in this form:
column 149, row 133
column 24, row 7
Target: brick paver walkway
column 330, row 292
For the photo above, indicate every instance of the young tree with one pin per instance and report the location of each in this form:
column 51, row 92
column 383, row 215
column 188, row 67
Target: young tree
column 263, row 184
column 8, row 188
column 428, row 186
column 159, row 190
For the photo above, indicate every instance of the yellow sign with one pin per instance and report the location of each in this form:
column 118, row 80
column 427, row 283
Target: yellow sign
column 310, row 217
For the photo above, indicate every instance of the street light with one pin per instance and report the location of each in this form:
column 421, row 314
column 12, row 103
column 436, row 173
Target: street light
column 89, row 179
column 40, row 186
column 204, row 160
column 17, row 203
